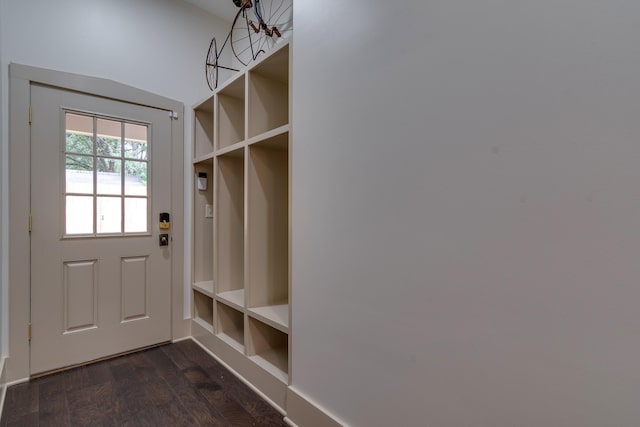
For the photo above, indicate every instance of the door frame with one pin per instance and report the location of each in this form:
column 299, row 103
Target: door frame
column 20, row 79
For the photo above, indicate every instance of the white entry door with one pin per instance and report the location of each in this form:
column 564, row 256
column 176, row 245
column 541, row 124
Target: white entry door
column 100, row 177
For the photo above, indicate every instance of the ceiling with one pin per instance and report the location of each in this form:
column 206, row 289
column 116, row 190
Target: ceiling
column 224, row 9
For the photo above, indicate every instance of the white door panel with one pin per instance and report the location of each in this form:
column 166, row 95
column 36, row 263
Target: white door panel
column 94, row 295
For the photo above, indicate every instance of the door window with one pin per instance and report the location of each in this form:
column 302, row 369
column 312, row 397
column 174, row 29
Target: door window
column 106, row 169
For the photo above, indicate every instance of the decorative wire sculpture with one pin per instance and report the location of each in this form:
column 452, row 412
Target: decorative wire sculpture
column 256, row 28
column 211, row 63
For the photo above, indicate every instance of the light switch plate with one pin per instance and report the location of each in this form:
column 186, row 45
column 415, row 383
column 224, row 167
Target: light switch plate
column 208, row 211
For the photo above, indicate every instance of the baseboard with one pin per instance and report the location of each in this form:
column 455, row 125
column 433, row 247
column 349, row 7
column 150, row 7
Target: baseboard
column 302, row 411
column 241, row 378
column 299, row 410
column 3, row 383
column 181, row 330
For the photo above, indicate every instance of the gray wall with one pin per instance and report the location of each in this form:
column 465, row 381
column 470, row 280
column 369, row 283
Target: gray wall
column 466, row 212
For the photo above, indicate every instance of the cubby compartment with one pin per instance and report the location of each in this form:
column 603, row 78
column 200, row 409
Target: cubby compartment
column 230, row 101
column 203, row 310
column 269, row 348
column 203, row 223
column 268, row 230
column 204, row 287
column 230, row 326
column 268, row 93
column 203, row 128
column 230, row 226
column 241, row 225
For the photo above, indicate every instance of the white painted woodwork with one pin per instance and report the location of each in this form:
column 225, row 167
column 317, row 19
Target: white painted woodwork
column 135, row 284
column 276, row 316
column 268, row 93
column 203, row 310
column 202, row 255
column 272, row 389
column 230, row 325
column 231, row 112
column 302, row 408
column 80, row 294
column 204, row 287
column 268, row 222
column 113, row 294
column 229, row 249
column 233, row 298
column 251, row 227
column 21, row 79
column 268, row 347
column 203, row 128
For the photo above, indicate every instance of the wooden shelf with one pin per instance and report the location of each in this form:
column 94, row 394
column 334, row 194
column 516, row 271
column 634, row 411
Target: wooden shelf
column 269, row 348
column 233, row 298
column 270, row 134
column 230, row 112
column 204, row 324
column 203, row 310
column 235, row 150
column 203, row 158
column 230, row 325
column 276, row 316
column 205, row 287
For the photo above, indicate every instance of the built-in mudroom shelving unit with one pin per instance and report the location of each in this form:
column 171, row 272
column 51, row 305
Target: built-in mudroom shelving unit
column 241, row 223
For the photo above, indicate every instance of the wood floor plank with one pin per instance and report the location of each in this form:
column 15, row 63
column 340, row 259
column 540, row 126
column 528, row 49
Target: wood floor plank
column 172, row 385
column 231, row 410
column 26, row 420
column 91, row 405
column 22, row 401
column 53, row 408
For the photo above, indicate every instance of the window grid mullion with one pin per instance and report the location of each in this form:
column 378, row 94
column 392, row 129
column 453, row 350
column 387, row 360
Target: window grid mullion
column 122, row 176
column 95, row 176
column 122, row 197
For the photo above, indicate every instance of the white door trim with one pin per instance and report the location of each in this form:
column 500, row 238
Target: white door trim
column 20, row 79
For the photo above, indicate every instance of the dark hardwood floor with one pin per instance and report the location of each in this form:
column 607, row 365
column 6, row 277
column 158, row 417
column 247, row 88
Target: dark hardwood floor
column 172, row 385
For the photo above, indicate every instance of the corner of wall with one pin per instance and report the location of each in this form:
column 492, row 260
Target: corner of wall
column 4, row 192
column 3, row 383
column 303, row 411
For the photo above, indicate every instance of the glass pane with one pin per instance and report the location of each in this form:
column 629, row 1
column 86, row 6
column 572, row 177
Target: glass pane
column 135, row 215
column 135, row 141
column 79, row 174
column 79, row 143
column 135, row 178
column 109, row 215
column 79, row 215
column 79, row 135
column 109, row 175
column 109, row 137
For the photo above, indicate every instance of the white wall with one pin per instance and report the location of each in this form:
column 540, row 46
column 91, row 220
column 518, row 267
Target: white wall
column 466, row 212
column 155, row 45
